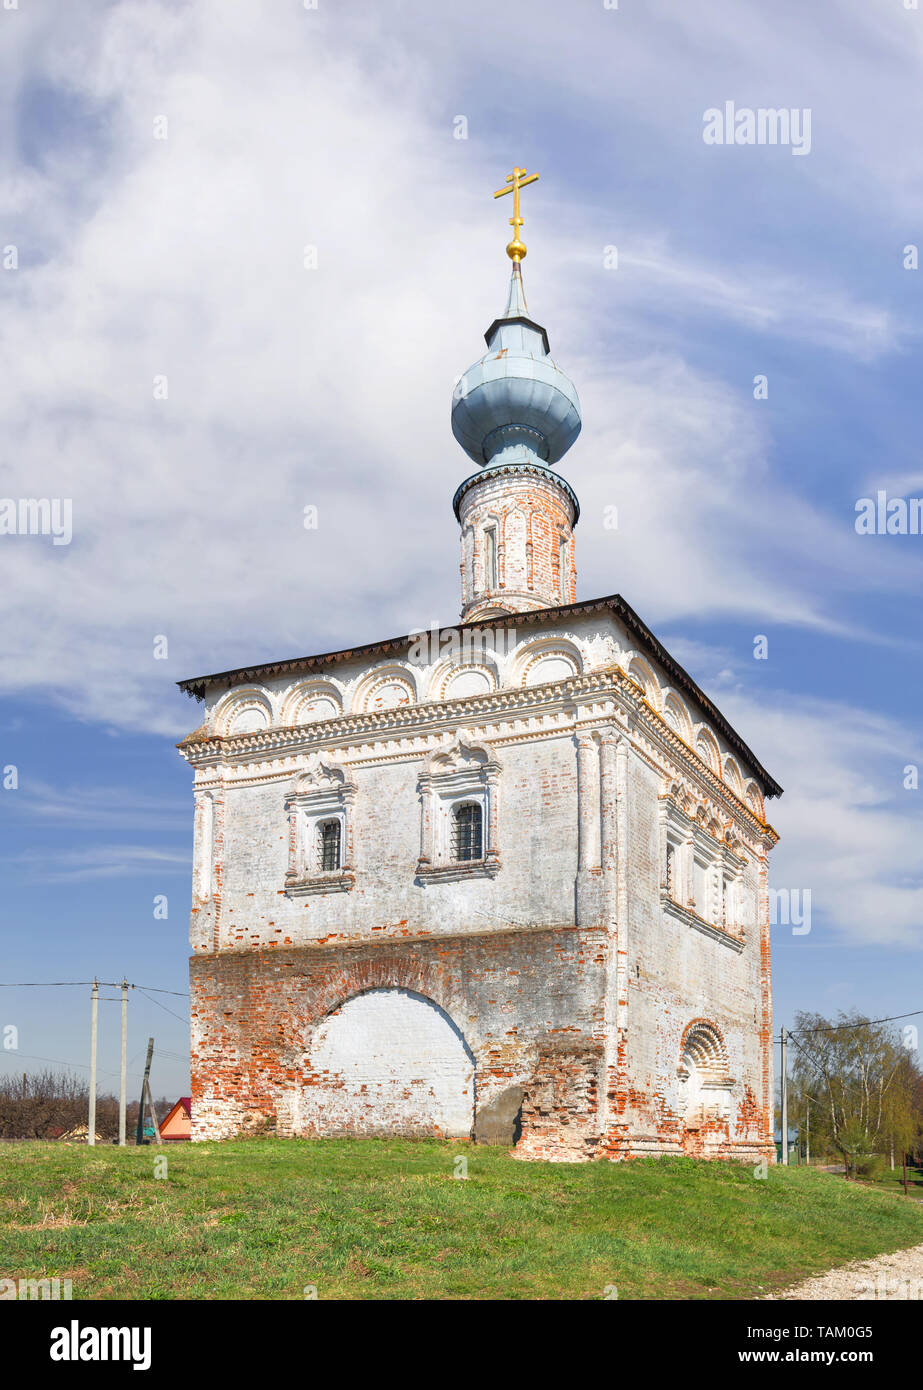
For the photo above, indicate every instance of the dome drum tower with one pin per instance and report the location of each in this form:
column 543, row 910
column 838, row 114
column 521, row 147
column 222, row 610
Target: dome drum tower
column 516, row 413
column 517, row 523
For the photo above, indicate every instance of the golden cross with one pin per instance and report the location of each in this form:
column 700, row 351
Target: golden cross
column 516, row 180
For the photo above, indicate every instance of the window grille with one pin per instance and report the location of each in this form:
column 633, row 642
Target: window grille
column 328, row 845
column 466, row 832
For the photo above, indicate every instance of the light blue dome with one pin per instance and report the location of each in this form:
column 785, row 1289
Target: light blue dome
column 515, row 402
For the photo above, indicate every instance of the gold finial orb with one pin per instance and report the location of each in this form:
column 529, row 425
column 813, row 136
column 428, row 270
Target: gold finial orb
column 514, row 181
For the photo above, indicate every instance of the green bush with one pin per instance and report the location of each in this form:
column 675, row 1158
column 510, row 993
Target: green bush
column 869, row 1166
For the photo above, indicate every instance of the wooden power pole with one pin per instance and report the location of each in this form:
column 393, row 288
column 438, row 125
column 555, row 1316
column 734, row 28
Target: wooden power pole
column 139, row 1135
column 150, row 1104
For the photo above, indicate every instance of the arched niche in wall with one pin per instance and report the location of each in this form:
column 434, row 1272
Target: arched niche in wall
column 547, row 659
column 705, row 1083
column 732, row 776
column 754, row 798
column 389, row 1061
column 244, row 711
column 458, row 676
column 388, row 686
column 642, row 672
column 677, row 716
column 707, row 748
column 309, row 702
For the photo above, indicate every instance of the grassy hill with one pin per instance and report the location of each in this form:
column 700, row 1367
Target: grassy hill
column 388, row 1219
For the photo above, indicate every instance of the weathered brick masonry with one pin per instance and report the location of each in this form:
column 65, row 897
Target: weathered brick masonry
column 530, row 1005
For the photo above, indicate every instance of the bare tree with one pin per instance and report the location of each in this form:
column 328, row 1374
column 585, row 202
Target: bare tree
column 862, row 1084
column 53, row 1104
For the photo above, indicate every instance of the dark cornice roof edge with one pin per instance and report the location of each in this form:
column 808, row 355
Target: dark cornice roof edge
column 197, row 686
column 499, row 470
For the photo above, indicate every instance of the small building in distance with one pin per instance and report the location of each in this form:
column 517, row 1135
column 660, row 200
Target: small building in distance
column 178, row 1123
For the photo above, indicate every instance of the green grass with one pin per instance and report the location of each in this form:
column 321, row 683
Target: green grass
column 386, row 1219
column 894, row 1179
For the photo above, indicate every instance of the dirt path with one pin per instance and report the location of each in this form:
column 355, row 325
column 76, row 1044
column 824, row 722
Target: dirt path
column 897, row 1276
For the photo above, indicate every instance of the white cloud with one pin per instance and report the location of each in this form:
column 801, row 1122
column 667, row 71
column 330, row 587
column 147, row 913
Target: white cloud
column 289, row 387
column 102, row 861
column 772, row 301
column 98, row 807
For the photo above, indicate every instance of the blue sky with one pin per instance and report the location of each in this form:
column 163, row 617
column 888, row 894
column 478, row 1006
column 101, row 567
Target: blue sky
column 184, row 257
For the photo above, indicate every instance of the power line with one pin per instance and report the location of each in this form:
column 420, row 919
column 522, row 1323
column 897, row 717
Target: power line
column 844, row 1086
column 113, row 984
column 163, row 1006
column 59, row 1062
column 50, row 984
column 864, row 1023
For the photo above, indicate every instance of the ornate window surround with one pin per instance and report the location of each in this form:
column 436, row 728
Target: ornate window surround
column 457, row 772
column 322, row 792
column 694, row 838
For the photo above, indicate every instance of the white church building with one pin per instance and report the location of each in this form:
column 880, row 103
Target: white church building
column 507, row 880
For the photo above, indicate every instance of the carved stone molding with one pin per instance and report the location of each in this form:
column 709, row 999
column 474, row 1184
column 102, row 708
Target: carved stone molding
column 322, row 791
column 460, row 770
column 692, row 919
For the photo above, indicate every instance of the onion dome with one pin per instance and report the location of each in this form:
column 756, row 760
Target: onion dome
column 515, row 405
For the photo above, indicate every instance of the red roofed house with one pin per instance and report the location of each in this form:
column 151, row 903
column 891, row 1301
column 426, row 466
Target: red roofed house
column 178, row 1123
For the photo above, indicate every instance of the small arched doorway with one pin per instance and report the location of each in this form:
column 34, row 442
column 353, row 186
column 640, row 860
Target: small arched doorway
column 389, row 1061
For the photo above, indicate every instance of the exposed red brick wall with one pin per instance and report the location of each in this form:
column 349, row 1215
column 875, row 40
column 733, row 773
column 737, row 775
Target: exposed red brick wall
column 529, row 1004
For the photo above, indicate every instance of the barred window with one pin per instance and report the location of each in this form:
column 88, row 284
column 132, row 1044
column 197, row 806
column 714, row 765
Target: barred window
column 466, row 832
column 328, row 845
column 671, row 869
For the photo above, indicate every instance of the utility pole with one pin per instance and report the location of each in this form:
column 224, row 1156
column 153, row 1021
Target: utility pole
column 139, row 1136
column 123, row 1073
column 94, row 1021
column 807, row 1156
column 150, row 1102
column 784, row 1103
